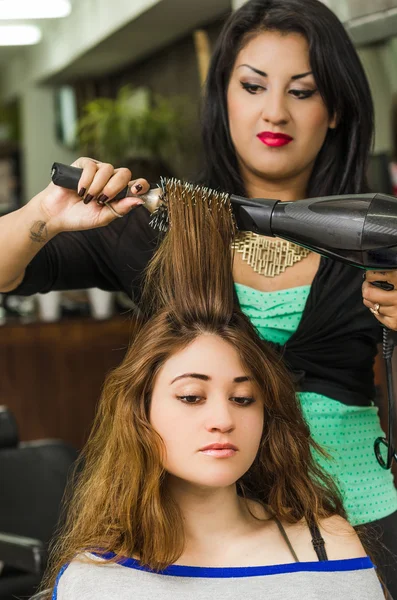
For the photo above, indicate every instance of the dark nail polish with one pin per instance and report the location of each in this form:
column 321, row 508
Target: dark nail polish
column 383, row 285
column 138, row 187
column 102, row 199
column 81, row 192
column 88, row 198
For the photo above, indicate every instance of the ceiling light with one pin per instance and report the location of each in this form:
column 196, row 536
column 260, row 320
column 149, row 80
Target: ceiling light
column 19, row 35
column 37, row 9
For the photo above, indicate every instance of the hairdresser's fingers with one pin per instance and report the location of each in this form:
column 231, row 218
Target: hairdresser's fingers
column 387, row 315
column 376, row 295
column 139, row 186
column 117, row 182
column 385, row 276
column 90, row 166
column 386, row 311
column 379, row 275
column 109, row 211
column 101, row 182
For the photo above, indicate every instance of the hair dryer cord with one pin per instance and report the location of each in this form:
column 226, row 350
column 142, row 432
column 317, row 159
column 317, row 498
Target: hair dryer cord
column 389, row 341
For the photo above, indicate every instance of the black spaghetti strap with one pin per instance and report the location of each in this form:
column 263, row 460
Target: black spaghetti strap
column 286, row 538
column 318, row 542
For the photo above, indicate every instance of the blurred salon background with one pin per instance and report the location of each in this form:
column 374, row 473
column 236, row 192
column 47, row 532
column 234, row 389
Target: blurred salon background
column 119, row 80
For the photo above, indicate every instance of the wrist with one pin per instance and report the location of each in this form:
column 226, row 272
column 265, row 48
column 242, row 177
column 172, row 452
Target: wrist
column 35, row 217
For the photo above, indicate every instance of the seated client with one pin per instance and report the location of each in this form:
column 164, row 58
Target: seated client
column 197, row 480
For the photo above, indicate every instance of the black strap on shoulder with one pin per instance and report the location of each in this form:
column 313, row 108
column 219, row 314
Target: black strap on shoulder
column 286, row 538
column 318, row 542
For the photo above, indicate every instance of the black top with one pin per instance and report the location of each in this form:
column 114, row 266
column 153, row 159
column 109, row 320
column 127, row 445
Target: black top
column 331, row 353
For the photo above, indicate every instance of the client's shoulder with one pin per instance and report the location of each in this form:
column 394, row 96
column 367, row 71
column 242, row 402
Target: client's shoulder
column 341, row 539
column 88, row 572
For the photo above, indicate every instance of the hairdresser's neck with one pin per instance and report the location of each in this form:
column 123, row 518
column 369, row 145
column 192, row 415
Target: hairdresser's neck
column 286, row 190
column 211, row 517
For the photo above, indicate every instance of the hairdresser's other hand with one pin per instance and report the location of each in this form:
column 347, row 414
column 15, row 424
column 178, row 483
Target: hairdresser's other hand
column 67, row 210
column 387, row 300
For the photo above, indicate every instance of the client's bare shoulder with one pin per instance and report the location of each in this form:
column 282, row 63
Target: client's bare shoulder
column 341, row 540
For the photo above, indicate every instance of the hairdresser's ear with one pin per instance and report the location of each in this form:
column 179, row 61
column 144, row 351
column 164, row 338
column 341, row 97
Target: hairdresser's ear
column 334, row 122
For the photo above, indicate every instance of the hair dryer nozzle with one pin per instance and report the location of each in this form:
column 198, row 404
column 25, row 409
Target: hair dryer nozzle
column 255, row 217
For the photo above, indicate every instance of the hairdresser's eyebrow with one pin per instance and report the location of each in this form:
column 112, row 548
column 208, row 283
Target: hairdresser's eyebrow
column 301, row 75
column 263, row 74
column 202, row 377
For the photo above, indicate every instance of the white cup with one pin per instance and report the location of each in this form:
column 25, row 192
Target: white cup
column 101, row 303
column 49, row 306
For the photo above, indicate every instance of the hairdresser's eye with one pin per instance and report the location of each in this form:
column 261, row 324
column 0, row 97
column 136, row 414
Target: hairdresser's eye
column 190, row 399
column 243, row 400
column 302, row 94
column 251, row 88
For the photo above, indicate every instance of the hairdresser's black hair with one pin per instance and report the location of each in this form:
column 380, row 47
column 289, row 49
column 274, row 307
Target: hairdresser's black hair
column 341, row 164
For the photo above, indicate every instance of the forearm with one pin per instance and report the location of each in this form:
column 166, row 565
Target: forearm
column 23, row 233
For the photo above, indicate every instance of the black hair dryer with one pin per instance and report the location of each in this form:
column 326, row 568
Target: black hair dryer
column 360, row 230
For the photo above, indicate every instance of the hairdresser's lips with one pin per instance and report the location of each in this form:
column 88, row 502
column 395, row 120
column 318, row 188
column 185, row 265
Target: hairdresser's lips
column 219, row 450
column 274, row 140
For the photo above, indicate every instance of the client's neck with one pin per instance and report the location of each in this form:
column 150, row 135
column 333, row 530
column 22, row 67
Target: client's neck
column 212, row 517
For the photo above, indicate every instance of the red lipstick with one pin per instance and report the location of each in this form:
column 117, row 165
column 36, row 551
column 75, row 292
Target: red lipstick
column 274, row 140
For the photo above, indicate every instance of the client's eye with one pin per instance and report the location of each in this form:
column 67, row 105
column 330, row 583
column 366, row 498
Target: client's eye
column 190, row 399
column 243, row 400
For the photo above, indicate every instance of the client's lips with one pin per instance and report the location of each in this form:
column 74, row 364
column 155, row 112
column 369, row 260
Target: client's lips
column 219, row 450
column 274, row 139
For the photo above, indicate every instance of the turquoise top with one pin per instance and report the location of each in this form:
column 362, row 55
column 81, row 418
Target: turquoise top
column 347, row 433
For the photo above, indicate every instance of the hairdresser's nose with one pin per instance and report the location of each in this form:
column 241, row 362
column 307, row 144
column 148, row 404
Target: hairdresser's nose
column 220, row 416
column 275, row 110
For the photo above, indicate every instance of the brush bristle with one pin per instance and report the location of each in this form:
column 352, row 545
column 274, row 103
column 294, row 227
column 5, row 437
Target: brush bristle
column 187, row 193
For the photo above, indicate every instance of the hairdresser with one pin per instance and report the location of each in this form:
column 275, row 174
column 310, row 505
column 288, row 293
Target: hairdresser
column 288, row 115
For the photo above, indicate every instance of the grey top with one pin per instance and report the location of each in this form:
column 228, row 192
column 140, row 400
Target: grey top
column 347, row 579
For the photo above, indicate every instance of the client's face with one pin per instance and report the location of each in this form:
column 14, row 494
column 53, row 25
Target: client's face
column 207, row 412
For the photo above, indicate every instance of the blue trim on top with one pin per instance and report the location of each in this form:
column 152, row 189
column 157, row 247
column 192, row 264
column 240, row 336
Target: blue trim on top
column 61, row 572
column 348, row 564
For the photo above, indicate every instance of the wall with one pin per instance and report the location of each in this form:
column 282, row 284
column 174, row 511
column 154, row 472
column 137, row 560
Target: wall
column 373, row 59
column 39, row 145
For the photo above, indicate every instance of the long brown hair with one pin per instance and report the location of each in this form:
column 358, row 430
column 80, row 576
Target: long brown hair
column 120, row 502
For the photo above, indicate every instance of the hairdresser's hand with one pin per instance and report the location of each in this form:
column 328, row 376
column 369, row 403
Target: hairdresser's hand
column 71, row 211
column 382, row 303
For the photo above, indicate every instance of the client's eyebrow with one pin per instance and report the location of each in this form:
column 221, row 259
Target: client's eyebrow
column 263, row 74
column 202, row 377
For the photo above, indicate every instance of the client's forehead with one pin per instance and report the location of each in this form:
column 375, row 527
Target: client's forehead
column 207, row 358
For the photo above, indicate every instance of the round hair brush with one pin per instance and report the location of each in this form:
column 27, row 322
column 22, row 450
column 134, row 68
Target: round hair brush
column 358, row 229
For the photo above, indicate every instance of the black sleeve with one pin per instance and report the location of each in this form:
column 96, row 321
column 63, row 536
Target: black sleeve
column 111, row 258
column 335, row 344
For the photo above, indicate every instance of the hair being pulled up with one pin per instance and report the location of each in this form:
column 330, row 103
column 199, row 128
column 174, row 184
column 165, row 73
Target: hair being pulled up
column 120, row 502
